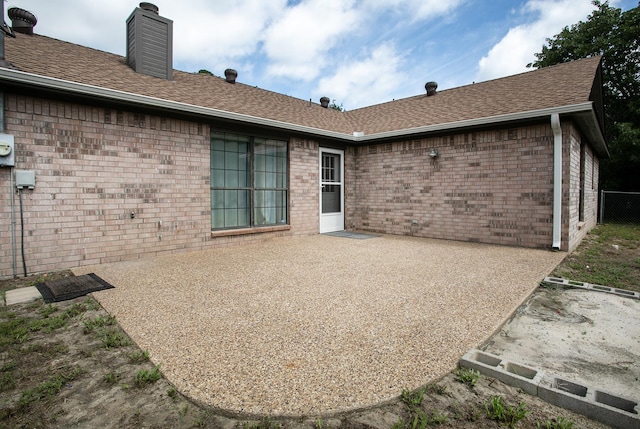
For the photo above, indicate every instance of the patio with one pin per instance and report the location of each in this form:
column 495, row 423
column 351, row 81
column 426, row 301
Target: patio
column 319, row 324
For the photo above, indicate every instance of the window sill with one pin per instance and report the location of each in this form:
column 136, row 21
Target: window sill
column 244, row 231
column 581, row 225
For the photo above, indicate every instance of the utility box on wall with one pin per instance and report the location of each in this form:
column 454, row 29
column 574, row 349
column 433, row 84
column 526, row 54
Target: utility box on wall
column 7, row 158
column 25, row 179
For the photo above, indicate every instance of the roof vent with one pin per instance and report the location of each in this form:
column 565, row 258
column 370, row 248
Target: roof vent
column 324, row 102
column 431, row 88
column 22, row 21
column 230, row 75
column 150, row 7
column 150, row 42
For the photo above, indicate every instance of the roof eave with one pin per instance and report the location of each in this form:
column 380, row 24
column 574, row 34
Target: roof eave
column 585, row 112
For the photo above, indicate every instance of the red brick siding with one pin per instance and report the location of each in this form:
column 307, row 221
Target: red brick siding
column 492, row 187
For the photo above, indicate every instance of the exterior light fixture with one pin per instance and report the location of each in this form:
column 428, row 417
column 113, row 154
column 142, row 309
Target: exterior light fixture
column 434, row 153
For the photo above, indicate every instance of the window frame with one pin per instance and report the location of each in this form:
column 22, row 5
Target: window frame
column 280, row 203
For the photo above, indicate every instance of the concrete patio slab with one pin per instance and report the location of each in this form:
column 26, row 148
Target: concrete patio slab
column 319, row 324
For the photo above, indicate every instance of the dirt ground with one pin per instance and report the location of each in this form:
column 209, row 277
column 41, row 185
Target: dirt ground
column 70, row 365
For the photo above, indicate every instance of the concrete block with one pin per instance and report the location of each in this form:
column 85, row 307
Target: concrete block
column 613, row 410
column 510, row 373
column 599, row 288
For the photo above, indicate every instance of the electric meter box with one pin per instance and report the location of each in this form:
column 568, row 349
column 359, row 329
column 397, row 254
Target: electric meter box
column 6, row 150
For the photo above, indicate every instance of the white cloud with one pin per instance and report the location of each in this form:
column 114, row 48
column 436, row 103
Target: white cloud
column 417, row 10
column 220, row 33
column 297, row 43
column 365, row 82
column 511, row 54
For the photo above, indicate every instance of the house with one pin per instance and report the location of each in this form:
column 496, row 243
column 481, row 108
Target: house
column 112, row 158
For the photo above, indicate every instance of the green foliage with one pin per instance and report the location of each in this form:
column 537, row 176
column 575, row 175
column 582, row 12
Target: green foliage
column 91, row 325
column 145, row 376
column 113, row 339
column 111, row 378
column 48, row 388
column 412, row 399
column 334, row 106
column 497, row 410
column 559, row 423
column 612, row 33
column 138, row 356
column 467, row 376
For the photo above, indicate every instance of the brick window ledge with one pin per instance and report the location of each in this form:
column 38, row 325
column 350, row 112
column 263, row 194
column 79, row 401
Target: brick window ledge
column 244, row 231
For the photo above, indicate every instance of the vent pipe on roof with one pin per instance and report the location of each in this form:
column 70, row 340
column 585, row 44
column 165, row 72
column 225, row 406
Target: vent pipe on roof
column 230, row 75
column 150, row 7
column 324, row 102
column 22, row 21
column 431, row 88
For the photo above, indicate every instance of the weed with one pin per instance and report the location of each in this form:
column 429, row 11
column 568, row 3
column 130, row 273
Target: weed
column 147, row 376
column 48, row 388
column 114, row 339
column 138, row 356
column 7, row 381
column 497, row 410
column 76, row 309
column 559, row 423
column 92, row 304
column 91, row 325
column 47, row 310
column 14, row 331
column 412, row 399
column 201, row 420
column 467, row 376
column 172, row 393
column 436, row 388
column 111, row 378
column 319, row 424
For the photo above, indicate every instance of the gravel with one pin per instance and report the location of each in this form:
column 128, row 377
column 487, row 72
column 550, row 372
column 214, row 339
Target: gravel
column 319, row 324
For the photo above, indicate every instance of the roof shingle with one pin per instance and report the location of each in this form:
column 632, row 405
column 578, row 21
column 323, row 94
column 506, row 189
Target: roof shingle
column 560, row 85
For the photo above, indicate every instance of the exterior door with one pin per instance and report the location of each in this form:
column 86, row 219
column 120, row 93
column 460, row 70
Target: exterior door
column 331, row 190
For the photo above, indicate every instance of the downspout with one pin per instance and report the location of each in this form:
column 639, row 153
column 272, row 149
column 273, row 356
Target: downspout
column 557, row 180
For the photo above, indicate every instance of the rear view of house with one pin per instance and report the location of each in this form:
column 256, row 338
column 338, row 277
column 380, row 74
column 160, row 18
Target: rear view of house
column 107, row 158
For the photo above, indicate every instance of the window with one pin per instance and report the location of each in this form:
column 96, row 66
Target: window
column 249, row 181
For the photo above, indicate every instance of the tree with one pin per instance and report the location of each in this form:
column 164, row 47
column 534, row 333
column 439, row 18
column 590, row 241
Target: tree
column 612, row 33
column 334, row 106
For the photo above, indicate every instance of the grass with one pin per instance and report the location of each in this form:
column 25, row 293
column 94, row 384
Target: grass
column 608, row 256
column 497, row 410
column 48, row 388
column 559, row 423
column 114, row 338
column 145, row 377
column 138, row 356
column 467, row 376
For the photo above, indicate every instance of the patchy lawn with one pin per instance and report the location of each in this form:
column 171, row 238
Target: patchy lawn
column 609, row 256
column 69, row 364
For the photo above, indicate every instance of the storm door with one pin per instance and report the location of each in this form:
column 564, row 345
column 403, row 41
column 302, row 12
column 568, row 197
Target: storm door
column 331, row 190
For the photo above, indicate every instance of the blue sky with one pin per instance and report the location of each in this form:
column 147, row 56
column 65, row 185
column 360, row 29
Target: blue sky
column 355, row 52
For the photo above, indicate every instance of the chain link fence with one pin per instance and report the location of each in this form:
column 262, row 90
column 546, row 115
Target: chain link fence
column 619, row 207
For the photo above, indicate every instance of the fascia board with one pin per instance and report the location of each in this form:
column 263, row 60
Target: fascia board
column 30, row 79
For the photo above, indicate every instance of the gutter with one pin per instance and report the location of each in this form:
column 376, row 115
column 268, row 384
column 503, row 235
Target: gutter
column 557, row 181
column 59, row 85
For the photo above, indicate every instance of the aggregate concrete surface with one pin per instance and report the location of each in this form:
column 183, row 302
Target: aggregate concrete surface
column 319, row 324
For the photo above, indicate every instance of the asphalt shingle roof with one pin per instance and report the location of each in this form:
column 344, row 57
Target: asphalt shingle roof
column 560, row 85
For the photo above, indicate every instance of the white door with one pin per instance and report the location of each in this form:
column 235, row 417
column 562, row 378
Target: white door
column 331, row 190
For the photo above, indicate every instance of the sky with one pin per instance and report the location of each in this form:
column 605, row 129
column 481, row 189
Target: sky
column 356, row 52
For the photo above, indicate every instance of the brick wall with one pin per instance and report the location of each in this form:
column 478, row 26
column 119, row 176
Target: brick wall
column 575, row 228
column 492, row 187
column 95, row 167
